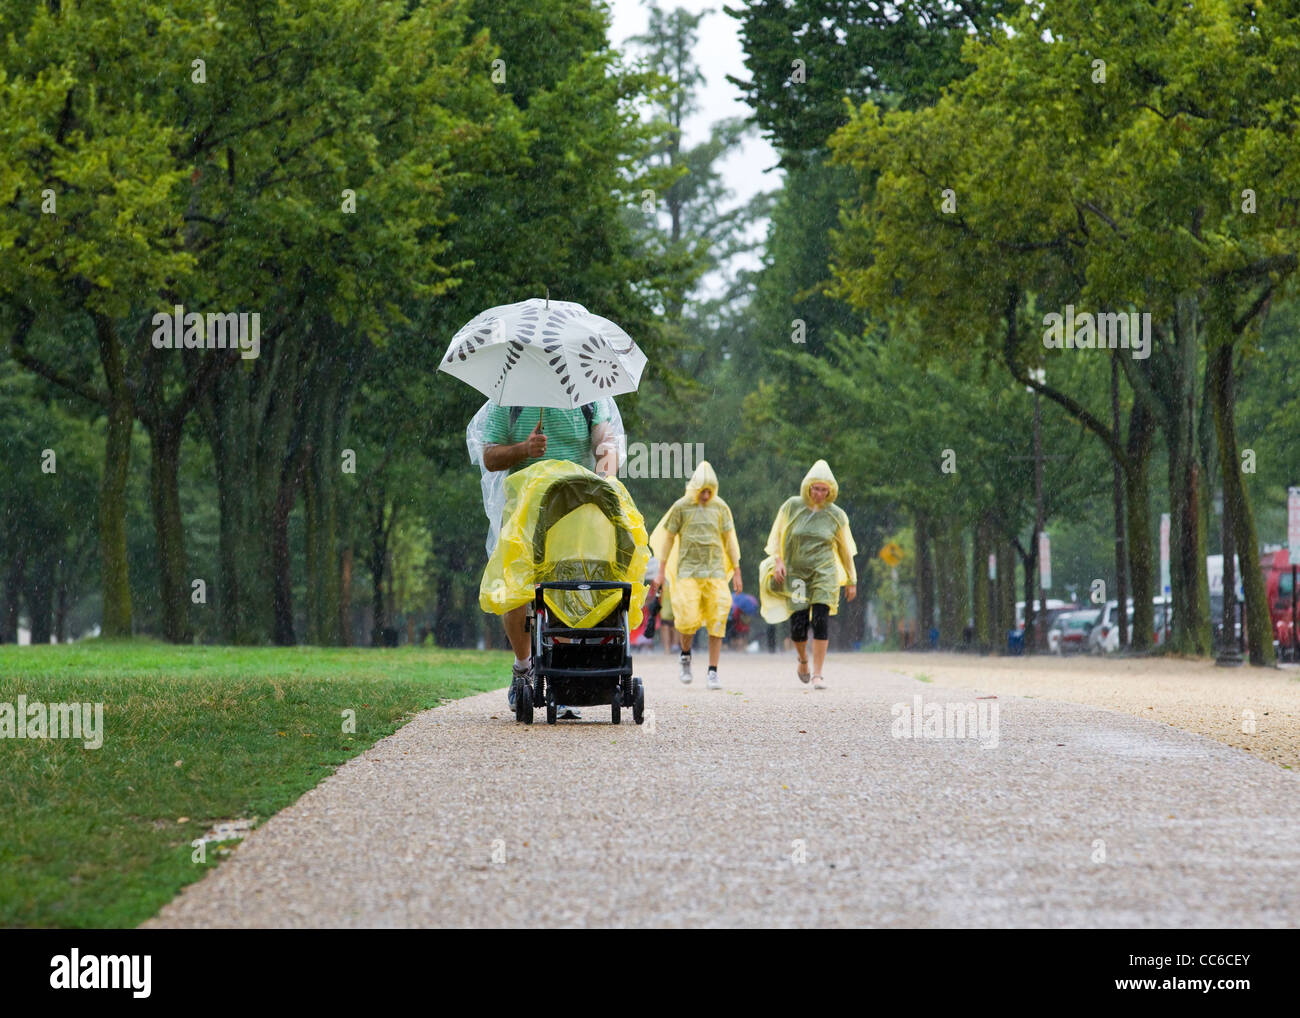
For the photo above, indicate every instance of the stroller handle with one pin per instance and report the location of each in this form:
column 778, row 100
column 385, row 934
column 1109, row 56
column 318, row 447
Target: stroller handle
column 546, row 585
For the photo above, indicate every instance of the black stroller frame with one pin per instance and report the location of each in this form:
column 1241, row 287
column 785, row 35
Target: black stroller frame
column 580, row 667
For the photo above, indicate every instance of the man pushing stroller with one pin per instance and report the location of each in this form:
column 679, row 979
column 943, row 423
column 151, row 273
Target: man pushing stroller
column 514, row 438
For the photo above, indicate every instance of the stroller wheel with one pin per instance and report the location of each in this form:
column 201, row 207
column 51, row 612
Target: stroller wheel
column 638, row 701
column 551, row 709
column 616, row 708
column 524, row 704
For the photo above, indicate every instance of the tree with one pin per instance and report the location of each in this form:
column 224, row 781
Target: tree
column 1056, row 225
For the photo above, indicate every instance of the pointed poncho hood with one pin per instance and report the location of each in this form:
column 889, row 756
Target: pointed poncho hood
column 820, row 472
column 703, row 477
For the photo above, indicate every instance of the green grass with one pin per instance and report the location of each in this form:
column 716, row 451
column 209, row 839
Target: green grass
column 91, row 838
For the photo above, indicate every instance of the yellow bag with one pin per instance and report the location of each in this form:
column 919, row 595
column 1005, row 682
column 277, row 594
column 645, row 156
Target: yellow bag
column 564, row 522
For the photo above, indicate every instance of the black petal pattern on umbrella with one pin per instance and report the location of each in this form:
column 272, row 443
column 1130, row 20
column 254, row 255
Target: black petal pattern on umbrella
column 513, row 349
column 598, row 363
column 527, row 326
column 475, row 338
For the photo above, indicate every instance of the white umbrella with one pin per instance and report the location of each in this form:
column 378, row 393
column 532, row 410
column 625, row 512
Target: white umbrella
column 544, row 353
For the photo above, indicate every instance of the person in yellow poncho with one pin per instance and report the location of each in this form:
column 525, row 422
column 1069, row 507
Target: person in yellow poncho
column 810, row 556
column 697, row 549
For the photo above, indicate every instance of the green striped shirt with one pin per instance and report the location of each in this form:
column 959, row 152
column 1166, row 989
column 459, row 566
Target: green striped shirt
column 566, row 431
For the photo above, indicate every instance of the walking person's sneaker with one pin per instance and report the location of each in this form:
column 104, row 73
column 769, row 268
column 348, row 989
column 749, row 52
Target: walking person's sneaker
column 802, row 671
column 520, row 673
column 818, row 682
column 712, row 676
column 686, row 669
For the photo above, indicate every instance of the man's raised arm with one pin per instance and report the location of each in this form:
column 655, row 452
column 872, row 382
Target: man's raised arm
column 503, row 457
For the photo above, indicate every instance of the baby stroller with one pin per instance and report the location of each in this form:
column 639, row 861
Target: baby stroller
column 581, row 667
column 572, row 547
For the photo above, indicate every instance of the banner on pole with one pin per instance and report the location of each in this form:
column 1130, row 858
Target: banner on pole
column 1044, row 561
column 1293, row 522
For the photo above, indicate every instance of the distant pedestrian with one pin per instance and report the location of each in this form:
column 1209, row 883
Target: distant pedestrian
column 810, row 556
column 697, row 550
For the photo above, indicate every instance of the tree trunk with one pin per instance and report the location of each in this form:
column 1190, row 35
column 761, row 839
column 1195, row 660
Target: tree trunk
column 281, row 559
column 61, row 612
column 327, row 410
column 39, row 596
column 1221, row 393
column 164, row 496
column 1006, row 593
column 115, row 578
column 981, row 598
column 249, row 425
column 952, row 577
column 1188, row 579
column 1030, row 563
column 345, row 598
column 12, row 592
column 924, row 581
column 1137, row 495
column 1117, row 497
column 376, row 560
column 1187, row 574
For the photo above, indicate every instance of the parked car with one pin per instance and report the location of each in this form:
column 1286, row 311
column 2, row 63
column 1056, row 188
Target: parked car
column 1040, row 607
column 1044, row 618
column 1069, row 633
column 1104, row 636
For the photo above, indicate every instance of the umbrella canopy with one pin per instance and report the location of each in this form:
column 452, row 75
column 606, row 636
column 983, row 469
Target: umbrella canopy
column 544, row 353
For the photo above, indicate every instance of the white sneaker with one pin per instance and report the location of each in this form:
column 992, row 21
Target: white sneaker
column 713, row 680
column 686, row 669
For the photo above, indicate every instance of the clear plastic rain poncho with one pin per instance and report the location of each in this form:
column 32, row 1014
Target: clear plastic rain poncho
column 699, row 550
column 563, row 522
column 493, row 482
column 817, row 547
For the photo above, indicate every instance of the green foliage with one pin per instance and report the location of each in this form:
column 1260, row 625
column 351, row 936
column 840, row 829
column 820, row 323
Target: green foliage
column 900, row 54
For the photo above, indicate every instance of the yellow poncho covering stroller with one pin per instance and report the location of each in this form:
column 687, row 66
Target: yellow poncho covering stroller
column 573, row 545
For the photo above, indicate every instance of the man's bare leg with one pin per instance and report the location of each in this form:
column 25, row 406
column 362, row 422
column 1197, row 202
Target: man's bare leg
column 513, row 620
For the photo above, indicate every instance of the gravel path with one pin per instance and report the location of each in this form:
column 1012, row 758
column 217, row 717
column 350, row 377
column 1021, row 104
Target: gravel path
column 1255, row 709
column 775, row 805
